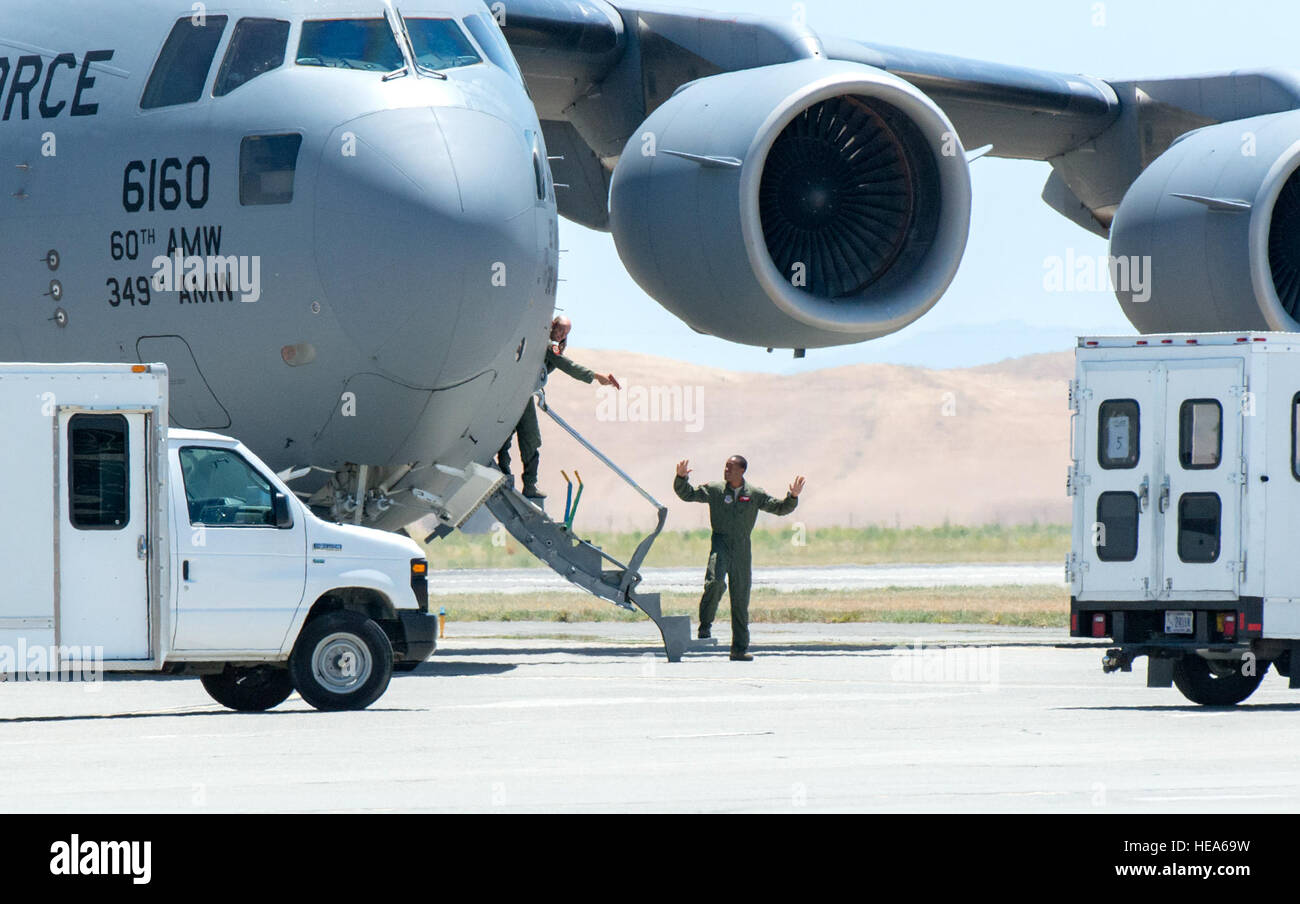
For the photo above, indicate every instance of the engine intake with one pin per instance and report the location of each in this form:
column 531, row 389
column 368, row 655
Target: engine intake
column 841, row 188
column 801, row 205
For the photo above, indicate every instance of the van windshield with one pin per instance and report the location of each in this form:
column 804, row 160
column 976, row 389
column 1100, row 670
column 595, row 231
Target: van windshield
column 366, row 44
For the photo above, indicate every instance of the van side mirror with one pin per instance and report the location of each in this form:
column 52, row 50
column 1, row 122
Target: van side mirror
column 283, row 514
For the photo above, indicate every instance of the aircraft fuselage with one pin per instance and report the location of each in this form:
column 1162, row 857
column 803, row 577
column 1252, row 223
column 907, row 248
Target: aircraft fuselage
column 382, row 299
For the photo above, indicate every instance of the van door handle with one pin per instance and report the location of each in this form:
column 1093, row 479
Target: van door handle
column 1164, row 496
column 185, row 569
column 141, row 547
column 1144, row 492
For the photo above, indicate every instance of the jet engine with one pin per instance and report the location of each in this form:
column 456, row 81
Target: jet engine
column 1215, row 224
column 800, row 205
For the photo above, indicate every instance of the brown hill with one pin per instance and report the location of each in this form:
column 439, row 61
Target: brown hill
column 879, row 444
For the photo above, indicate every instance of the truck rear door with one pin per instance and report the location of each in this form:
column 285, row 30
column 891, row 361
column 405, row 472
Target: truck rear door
column 104, row 533
column 1201, row 494
column 1119, row 450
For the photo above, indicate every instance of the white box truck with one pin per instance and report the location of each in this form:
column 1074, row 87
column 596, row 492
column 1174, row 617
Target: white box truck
column 1185, row 477
column 132, row 547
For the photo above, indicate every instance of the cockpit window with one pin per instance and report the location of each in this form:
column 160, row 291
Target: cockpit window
column 366, row 44
column 485, row 30
column 182, row 68
column 440, row 44
column 256, row 47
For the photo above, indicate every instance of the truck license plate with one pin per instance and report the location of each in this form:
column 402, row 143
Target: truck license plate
column 1178, row 622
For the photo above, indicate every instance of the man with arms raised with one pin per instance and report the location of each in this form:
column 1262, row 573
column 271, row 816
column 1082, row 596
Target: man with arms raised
column 734, row 505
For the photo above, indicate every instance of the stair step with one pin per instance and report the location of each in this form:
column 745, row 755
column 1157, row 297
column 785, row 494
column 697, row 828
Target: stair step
column 581, row 563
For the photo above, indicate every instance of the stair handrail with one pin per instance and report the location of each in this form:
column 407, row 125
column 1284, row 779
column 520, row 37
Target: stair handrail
column 630, row 571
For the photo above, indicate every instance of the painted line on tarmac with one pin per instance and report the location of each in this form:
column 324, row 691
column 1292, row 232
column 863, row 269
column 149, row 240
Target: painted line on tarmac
column 721, row 734
column 1210, row 797
column 766, row 699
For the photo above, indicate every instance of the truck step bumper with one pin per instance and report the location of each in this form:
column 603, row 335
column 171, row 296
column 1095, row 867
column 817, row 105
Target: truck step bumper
column 1226, row 622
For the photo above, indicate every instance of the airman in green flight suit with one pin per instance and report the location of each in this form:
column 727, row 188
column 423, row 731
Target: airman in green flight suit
column 528, row 431
column 734, row 505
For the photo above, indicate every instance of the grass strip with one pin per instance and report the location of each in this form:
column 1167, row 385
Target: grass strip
column 1018, row 606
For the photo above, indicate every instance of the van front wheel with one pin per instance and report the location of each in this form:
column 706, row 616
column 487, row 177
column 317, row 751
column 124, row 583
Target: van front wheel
column 342, row 660
column 251, row 689
column 1204, row 685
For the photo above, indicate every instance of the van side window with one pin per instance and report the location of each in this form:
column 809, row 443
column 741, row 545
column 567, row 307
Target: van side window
column 1200, row 434
column 1199, row 515
column 97, row 472
column 256, row 47
column 1116, row 533
column 223, row 490
column 267, row 164
column 1118, row 433
column 184, row 63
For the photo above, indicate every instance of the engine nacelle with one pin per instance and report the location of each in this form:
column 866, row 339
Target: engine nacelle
column 1215, row 222
column 800, row 205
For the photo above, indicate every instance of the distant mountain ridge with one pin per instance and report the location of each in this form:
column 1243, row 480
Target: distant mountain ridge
column 879, row 443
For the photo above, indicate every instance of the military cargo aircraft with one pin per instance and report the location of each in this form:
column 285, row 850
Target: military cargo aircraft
column 336, row 220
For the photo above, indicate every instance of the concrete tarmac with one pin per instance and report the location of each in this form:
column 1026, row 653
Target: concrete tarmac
column 551, row 717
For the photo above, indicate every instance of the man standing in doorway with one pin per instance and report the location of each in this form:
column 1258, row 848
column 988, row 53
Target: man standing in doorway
column 734, row 505
column 528, row 431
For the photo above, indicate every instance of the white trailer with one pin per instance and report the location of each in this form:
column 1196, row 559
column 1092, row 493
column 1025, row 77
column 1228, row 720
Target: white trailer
column 130, row 547
column 1185, row 476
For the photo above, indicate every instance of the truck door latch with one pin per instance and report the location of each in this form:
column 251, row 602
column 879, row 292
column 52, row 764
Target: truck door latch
column 1164, row 496
column 1144, row 492
column 141, row 547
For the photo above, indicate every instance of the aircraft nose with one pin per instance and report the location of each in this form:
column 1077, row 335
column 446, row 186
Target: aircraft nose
column 426, row 238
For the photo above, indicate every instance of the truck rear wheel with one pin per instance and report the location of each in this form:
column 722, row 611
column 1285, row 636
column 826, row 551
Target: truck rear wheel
column 342, row 660
column 1201, row 684
column 252, row 689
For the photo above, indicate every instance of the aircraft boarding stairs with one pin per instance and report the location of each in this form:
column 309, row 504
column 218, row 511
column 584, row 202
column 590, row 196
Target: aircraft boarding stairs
column 580, row 562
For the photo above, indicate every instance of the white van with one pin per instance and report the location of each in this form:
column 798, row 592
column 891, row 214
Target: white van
column 1185, row 475
column 136, row 548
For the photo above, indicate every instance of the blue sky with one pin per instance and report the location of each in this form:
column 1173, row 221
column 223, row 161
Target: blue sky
column 996, row 307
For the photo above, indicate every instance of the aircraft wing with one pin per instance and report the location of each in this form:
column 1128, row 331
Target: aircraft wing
column 603, row 74
column 596, row 70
